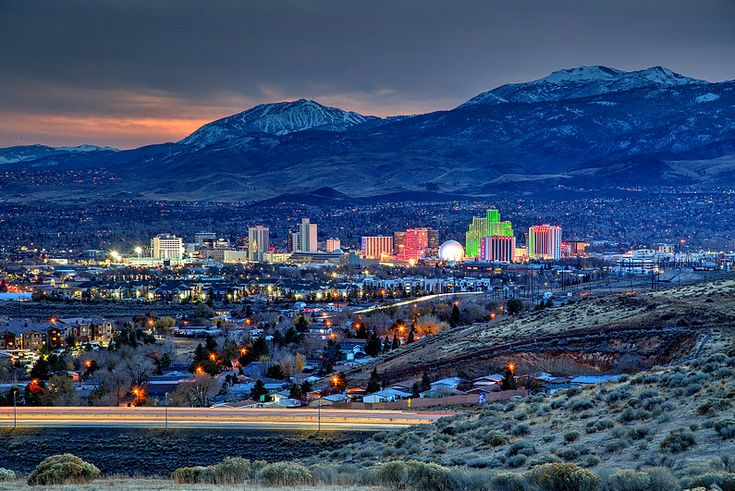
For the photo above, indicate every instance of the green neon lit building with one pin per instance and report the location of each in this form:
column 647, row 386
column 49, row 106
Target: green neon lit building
column 486, row 226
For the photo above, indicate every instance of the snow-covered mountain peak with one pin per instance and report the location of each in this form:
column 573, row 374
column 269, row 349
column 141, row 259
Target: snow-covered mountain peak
column 280, row 118
column 584, row 81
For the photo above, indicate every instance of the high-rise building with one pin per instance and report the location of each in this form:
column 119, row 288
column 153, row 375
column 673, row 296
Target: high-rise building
column 544, row 242
column 377, row 246
column 333, row 244
column 308, row 236
column 487, row 226
column 294, row 242
column 399, row 243
column 433, row 241
column 416, row 244
column 201, row 237
column 166, row 246
column 498, row 248
column 258, row 242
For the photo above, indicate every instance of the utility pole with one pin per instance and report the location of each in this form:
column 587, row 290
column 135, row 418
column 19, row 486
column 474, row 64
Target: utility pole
column 319, row 415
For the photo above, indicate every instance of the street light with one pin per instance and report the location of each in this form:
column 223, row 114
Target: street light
column 139, row 251
column 165, row 411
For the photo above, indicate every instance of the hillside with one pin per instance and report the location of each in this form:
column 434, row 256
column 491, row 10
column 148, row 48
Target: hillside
column 677, row 418
column 609, row 333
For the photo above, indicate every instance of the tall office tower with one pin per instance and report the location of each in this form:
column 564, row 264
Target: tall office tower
column 544, row 242
column 498, row 248
column 258, row 242
column 333, row 244
column 399, row 243
column 433, row 241
column 294, row 242
column 377, row 246
column 416, row 244
column 166, row 246
column 201, row 237
column 308, row 239
column 487, row 226
column 574, row 248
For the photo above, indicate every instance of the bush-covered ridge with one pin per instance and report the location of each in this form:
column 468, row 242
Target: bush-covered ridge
column 675, row 417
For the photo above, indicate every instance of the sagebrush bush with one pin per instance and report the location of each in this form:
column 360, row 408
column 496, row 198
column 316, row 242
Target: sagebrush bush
column 400, row 475
column 571, row 436
column 63, row 469
column 678, row 441
column 520, row 429
column 724, row 480
column 725, row 428
column 190, row 475
column 6, row 474
column 284, row 474
column 569, row 477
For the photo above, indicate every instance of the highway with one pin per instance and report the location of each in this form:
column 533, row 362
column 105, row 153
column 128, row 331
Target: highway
column 425, row 298
column 308, row 419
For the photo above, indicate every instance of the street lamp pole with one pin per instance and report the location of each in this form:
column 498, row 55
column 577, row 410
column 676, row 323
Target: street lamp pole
column 15, row 409
column 165, row 412
column 319, row 416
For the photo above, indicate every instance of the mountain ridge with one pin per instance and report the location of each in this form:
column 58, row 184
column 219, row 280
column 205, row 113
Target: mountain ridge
column 613, row 129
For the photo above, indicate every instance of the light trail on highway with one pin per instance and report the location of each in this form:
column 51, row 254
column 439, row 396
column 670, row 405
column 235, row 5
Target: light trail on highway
column 228, row 418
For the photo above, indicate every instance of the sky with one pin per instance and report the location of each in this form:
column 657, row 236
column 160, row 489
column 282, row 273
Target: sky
column 135, row 72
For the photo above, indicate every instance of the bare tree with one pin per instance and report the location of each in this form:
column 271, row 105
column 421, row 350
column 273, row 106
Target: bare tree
column 195, row 393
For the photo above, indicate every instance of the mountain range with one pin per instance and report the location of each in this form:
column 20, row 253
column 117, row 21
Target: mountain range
column 586, row 129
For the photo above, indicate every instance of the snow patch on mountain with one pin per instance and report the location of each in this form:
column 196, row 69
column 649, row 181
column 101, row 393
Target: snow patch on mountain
column 280, row 118
column 708, row 97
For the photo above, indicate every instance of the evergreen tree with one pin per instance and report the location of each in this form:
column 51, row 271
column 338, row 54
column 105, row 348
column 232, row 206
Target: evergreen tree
column 396, row 343
column 386, row 344
column 211, row 344
column 374, row 382
column 509, row 380
column 41, row 370
column 425, row 383
column 295, row 392
column 259, row 390
column 302, row 325
column 306, row 387
column 200, row 354
column 373, row 346
column 455, row 319
column 410, row 337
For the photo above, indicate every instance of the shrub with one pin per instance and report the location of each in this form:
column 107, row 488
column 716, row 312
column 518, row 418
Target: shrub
column 190, row 475
column 6, row 474
column 520, row 430
column 604, row 424
column 495, row 439
column 628, row 480
column 517, row 461
column 678, row 441
column 580, row 404
column 571, row 436
column 234, row 470
column 470, row 480
column 725, row 428
column 638, row 433
column 63, row 469
column 418, row 475
column 508, row 481
column 284, row 474
column 724, row 480
column 569, row 477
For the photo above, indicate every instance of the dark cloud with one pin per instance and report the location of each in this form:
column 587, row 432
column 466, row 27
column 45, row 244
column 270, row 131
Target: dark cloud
column 181, row 62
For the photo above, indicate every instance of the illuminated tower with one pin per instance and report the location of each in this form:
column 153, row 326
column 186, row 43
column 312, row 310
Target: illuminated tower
column 487, row 226
column 544, row 242
column 258, row 242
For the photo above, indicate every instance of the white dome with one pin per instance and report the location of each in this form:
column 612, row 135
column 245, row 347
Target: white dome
column 451, row 250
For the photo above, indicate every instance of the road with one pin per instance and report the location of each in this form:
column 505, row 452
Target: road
column 228, row 418
column 425, row 298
